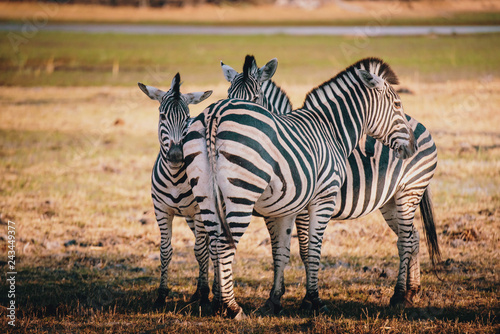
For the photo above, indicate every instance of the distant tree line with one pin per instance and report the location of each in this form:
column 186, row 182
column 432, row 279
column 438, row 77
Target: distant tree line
column 148, row 3
column 176, row 3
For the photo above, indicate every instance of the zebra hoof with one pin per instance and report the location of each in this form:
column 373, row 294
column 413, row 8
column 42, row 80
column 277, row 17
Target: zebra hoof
column 240, row 315
column 323, row 309
column 398, row 299
column 410, row 296
column 202, row 295
column 311, row 304
column 160, row 301
column 270, row 308
column 235, row 312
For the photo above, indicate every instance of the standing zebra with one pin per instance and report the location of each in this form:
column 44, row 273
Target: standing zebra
column 170, row 191
column 377, row 179
column 281, row 165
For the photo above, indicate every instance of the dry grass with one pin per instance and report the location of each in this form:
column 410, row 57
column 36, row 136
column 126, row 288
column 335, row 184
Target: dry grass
column 358, row 12
column 74, row 176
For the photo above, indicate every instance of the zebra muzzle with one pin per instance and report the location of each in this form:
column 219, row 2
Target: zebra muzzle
column 406, row 151
column 174, row 155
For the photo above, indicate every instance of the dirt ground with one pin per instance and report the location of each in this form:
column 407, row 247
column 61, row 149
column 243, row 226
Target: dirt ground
column 74, row 177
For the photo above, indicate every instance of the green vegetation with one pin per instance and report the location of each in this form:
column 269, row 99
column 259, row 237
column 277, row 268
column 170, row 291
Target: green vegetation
column 73, row 59
column 75, row 177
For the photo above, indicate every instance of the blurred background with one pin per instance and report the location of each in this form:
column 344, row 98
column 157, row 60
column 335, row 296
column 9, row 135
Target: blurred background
column 78, row 140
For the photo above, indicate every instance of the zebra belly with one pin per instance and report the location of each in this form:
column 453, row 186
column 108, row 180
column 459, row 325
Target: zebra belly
column 370, row 182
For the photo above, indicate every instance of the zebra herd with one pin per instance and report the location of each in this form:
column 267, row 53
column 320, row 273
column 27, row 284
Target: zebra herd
column 348, row 151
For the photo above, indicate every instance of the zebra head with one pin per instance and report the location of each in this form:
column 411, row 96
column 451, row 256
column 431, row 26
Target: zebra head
column 174, row 118
column 247, row 84
column 385, row 119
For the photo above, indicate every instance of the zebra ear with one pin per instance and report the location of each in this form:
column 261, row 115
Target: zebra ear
column 267, row 71
column 194, row 98
column 370, row 80
column 228, row 71
column 152, row 92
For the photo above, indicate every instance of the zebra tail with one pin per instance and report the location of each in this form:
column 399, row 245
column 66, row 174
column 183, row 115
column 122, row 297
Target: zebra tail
column 430, row 228
column 217, row 193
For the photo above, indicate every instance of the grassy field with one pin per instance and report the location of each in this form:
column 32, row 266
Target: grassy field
column 77, row 144
column 72, row 59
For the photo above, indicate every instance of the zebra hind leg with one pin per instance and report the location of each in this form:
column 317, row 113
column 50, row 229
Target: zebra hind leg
column 302, row 225
column 413, row 280
column 400, row 220
column 319, row 216
column 201, row 253
column 310, row 301
column 280, row 231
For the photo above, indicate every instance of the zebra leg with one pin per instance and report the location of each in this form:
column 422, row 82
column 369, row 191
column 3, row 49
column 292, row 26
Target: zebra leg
column 413, row 281
column 216, row 302
column 399, row 217
column 224, row 302
column 280, row 230
column 302, row 225
column 164, row 220
column 201, row 254
column 319, row 214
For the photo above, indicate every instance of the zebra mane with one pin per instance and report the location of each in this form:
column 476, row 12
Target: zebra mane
column 247, row 66
column 176, row 89
column 378, row 67
column 283, row 93
column 281, row 103
column 372, row 65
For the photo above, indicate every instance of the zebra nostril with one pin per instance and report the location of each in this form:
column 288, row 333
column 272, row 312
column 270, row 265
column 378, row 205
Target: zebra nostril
column 175, row 153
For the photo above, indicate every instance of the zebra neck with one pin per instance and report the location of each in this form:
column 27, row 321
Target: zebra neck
column 274, row 99
column 342, row 103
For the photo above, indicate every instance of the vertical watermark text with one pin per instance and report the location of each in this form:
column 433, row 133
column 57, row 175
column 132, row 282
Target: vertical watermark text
column 11, row 273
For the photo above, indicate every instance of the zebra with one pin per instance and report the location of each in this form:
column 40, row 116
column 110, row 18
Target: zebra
column 376, row 179
column 370, row 162
column 280, row 165
column 170, row 191
column 255, row 84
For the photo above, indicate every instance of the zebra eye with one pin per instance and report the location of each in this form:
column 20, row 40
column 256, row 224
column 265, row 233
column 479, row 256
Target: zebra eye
column 162, row 117
column 397, row 104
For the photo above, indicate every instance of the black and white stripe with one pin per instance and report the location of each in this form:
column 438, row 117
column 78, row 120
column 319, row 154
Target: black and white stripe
column 247, row 85
column 377, row 179
column 170, row 189
column 282, row 165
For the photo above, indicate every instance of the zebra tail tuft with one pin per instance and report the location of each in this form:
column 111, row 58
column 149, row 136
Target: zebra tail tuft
column 217, row 193
column 427, row 213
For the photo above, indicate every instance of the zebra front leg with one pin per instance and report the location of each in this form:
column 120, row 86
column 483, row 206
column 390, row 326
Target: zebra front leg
column 201, row 253
column 319, row 217
column 280, row 231
column 164, row 220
